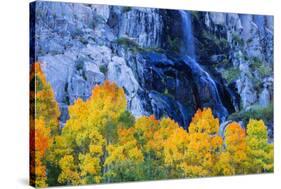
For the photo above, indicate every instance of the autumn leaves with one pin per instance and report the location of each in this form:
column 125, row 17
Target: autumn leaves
column 103, row 142
column 44, row 124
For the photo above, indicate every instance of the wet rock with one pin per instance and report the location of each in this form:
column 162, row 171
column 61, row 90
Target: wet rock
column 165, row 106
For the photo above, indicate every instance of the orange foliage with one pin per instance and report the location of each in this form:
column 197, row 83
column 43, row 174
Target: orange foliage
column 102, row 141
column 44, row 124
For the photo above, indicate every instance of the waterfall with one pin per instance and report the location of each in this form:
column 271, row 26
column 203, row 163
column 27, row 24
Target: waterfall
column 188, row 51
column 205, row 76
column 188, row 40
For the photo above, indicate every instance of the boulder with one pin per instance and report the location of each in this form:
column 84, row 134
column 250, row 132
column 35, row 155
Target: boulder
column 100, row 55
column 93, row 74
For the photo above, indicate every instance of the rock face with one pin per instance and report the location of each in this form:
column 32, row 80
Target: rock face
column 164, row 67
column 248, row 39
column 142, row 24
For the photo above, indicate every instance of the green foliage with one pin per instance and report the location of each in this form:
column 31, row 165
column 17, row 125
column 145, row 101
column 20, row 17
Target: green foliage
column 152, row 49
column 127, row 9
column 38, row 84
column 132, row 45
column 225, row 60
column 219, row 42
column 44, row 125
column 237, row 39
column 166, row 92
column 231, row 74
column 263, row 68
column 126, row 119
column 103, row 69
column 174, row 44
column 260, row 153
column 83, row 40
column 254, row 112
column 103, row 142
column 129, row 44
column 195, row 15
column 79, row 64
column 250, row 40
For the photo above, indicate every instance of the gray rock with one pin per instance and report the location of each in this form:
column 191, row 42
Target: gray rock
column 102, row 11
column 120, row 73
column 100, row 55
column 247, row 92
column 264, row 98
column 75, row 42
column 93, row 74
column 58, row 69
column 143, row 24
column 77, row 88
column 218, row 18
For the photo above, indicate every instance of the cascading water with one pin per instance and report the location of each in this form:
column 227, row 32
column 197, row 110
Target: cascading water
column 188, row 51
column 188, row 40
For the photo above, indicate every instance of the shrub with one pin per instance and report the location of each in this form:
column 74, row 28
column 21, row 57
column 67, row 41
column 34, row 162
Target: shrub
column 129, row 44
column 263, row 69
column 103, row 69
column 219, row 42
column 134, row 46
column 127, row 9
column 237, row 39
column 254, row 112
column 174, row 44
column 231, row 74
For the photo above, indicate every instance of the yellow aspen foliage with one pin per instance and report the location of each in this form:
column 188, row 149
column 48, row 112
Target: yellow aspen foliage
column 46, row 107
column 235, row 140
column 123, row 157
column 44, row 124
column 40, row 179
column 152, row 136
column 102, row 142
column 126, row 149
column 175, row 152
column 216, row 144
column 166, row 127
column 145, row 127
column 108, row 101
column 204, row 145
column 235, row 137
column 69, row 171
column 259, row 151
column 92, row 127
column 199, row 155
column 223, row 165
column 204, row 122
